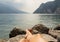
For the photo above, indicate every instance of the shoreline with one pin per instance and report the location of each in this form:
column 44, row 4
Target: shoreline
column 16, row 34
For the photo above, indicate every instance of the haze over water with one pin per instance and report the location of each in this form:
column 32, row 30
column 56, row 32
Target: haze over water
column 24, row 21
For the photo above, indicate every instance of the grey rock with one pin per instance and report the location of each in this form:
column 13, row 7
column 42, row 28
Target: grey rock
column 16, row 32
column 19, row 37
column 41, row 28
column 3, row 40
column 57, row 27
column 49, row 38
column 16, row 39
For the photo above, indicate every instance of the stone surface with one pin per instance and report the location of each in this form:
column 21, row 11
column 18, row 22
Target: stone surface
column 16, row 38
column 41, row 28
column 57, row 27
column 49, row 38
column 44, row 36
column 16, row 32
column 55, row 34
column 3, row 40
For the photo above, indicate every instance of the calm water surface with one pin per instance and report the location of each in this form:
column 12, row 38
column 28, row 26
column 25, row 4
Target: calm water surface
column 8, row 22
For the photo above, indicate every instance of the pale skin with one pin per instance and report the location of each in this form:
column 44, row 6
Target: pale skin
column 32, row 38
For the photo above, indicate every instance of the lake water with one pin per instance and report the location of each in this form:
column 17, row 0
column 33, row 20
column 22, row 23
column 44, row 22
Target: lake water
column 23, row 21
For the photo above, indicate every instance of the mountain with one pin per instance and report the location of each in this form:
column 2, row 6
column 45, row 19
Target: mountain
column 49, row 7
column 8, row 9
column 57, row 2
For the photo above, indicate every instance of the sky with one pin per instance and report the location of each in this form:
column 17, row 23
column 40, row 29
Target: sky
column 25, row 5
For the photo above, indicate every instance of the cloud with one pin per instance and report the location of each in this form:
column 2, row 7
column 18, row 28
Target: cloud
column 17, row 1
column 25, row 5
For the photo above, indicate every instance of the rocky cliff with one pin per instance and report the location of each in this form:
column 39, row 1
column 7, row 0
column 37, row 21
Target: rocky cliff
column 49, row 7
